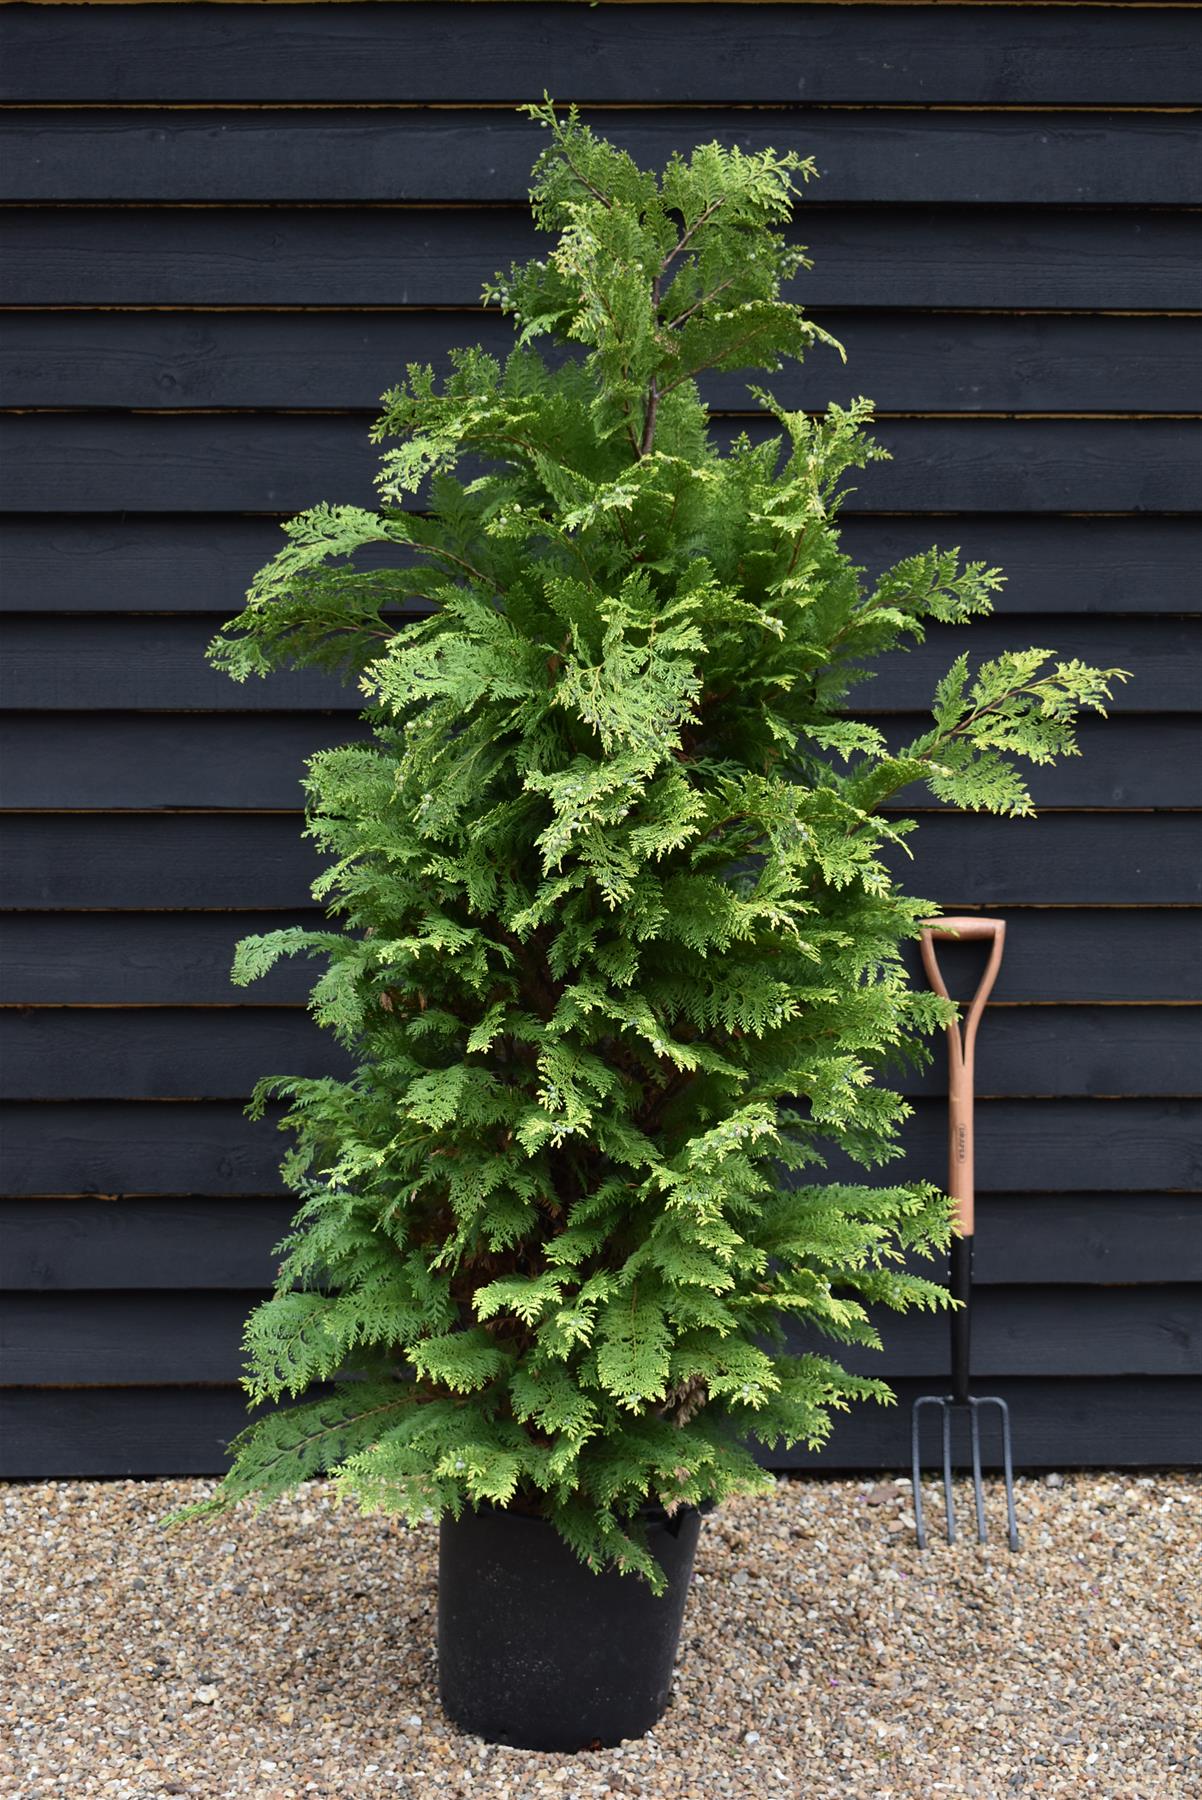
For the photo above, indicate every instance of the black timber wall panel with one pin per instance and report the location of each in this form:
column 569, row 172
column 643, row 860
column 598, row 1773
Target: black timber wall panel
column 223, row 230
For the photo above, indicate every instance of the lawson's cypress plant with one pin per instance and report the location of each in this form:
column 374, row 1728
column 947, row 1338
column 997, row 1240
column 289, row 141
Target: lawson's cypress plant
column 615, row 934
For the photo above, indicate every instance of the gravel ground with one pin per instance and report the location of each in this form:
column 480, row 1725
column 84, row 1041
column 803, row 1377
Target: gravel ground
column 292, row 1653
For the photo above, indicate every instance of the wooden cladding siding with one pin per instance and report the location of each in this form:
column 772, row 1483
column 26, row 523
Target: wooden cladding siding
column 210, row 462
column 1140, row 1420
column 393, row 258
column 933, row 362
column 975, row 55
column 224, row 230
column 143, row 563
column 419, row 157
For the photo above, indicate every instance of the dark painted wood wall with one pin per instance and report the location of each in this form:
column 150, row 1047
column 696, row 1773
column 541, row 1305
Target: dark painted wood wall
column 225, row 229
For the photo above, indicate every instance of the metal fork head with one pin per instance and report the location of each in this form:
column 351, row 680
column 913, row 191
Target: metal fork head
column 947, row 1404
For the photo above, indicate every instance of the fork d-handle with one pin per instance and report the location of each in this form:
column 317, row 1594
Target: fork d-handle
column 961, row 1049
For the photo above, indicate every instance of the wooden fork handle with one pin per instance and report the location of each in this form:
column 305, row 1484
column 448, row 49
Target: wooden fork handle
column 965, row 928
column 961, row 1046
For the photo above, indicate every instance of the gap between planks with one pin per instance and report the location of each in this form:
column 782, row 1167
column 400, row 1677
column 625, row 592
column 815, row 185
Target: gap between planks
column 298, row 813
column 522, row 207
column 242, row 1100
column 925, row 5
column 481, row 312
column 1003, row 108
column 301, row 1006
column 127, row 514
column 289, row 912
column 370, row 414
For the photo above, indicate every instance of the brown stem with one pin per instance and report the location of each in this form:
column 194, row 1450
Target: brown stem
column 979, row 713
column 674, row 324
column 653, row 399
column 585, row 182
column 703, row 218
column 690, row 374
column 800, row 539
column 461, row 562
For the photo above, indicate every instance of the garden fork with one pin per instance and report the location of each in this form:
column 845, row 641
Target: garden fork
column 960, row 1050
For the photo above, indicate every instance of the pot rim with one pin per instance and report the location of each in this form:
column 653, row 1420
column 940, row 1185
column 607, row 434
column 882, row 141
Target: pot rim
column 650, row 1513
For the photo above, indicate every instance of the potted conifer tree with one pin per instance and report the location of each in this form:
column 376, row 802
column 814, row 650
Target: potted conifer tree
column 614, row 940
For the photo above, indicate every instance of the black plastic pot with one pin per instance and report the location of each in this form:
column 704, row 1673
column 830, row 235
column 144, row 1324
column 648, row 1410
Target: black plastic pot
column 536, row 1651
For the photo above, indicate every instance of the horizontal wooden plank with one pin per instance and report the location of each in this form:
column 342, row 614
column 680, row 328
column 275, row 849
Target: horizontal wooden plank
column 92, row 1053
column 908, row 362
column 209, row 1147
column 121, row 1337
column 56, row 1246
column 279, row 256
column 758, row 54
column 171, row 668
column 1119, row 1239
column 1055, row 860
column 168, row 959
column 168, row 862
column 94, row 1339
column 1124, row 762
column 149, row 761
column 1016, row 1331
column 281, row 462
column 49, row 1434
column 862, row 156
column 1055, row 566
column 138, row 1149
column 183, row 959
column 160, row 1054
column 195, row 563
column 132, row 663
column 1132, row 1422
column 1161, row 656
column 1053, row 956
column 1058, row 1425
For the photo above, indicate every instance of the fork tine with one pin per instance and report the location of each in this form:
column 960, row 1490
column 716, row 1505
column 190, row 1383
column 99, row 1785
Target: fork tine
column 977, row 1489
column 1007, row 1462
column 948, row 1501
column 920, row 1530
column 1008, row 1473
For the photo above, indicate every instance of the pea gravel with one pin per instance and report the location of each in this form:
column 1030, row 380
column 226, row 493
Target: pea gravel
column 291, row 1653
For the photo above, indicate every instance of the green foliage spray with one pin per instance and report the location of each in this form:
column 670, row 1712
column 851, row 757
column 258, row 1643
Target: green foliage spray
column 614, row 938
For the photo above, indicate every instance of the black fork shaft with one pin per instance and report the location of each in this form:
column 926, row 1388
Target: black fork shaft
column 960, row 1317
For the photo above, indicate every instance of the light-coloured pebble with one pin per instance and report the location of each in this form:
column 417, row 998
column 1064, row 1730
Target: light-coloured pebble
column 289, row 1655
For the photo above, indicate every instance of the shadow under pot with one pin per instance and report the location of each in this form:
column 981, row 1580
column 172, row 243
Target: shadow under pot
column 536, row 1651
